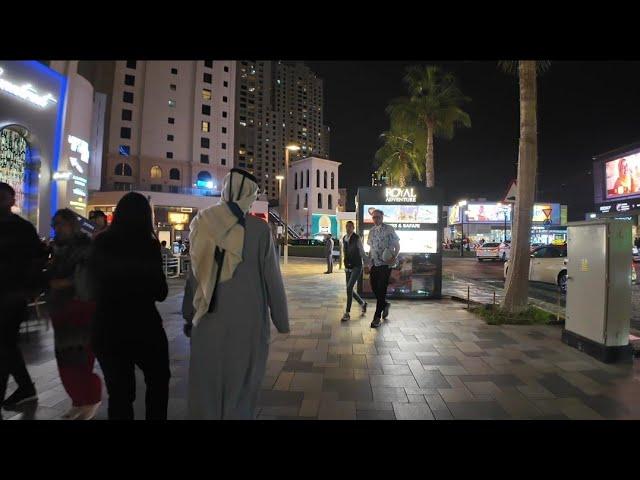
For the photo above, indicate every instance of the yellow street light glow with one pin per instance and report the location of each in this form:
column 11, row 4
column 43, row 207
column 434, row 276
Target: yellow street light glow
column 462, row 203
column 279, row 177
column 293, row 148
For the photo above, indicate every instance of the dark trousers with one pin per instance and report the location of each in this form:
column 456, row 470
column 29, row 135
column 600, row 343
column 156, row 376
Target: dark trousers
column 12, row 313
column 118, row 359
column 330, row 263
column 352, row 278
column 379, row 279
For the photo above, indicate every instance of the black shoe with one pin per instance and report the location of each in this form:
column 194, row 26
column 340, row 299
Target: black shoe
column 327, row 272
column 385, row 312
column 21, row 395
column 376, row 322
column 364, row 308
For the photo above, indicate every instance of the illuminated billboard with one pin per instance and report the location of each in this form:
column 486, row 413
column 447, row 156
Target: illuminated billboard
column 403, row 213
column 487, row 213
column 623, row 177
column 549, row 213
column 412, row 241
column 454, row 214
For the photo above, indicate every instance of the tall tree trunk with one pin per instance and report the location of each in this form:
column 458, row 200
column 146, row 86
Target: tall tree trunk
column 517, row 284
column 429, row 174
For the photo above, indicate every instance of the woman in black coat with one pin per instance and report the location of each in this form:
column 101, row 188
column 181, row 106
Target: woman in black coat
column 127, row 272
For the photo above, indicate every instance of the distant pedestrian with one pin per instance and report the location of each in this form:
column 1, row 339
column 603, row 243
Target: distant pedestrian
column 384, row 248
column 166, row 253
column 71, row 306
column 233, row 289
column 354, row 257
column 127, row 272
column 22, row 258
column 328, row 252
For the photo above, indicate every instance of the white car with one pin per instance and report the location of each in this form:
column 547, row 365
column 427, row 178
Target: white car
column 488, row 251
column 548, row 264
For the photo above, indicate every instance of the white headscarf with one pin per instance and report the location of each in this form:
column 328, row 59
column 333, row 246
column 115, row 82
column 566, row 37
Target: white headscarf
column 218, row 226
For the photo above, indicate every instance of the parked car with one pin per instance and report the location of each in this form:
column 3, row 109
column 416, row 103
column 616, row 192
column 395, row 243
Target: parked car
column 548, row 265
column 488, row 251
column 636, row 254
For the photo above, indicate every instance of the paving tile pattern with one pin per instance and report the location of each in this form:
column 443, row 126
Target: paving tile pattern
column 431, row 360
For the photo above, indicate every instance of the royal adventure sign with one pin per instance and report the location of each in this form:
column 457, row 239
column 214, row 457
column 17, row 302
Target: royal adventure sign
column 393, row 195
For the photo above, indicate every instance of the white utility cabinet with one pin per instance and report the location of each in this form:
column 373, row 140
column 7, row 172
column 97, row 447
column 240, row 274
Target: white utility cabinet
column 598, row 313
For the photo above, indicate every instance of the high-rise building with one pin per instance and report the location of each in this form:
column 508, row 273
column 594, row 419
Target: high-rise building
column 171, row 126
column 277, row 103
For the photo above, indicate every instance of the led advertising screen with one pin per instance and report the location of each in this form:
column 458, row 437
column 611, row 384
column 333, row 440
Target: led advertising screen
column 623, row 177
column 546, row 213
column 412, row 241
column 323, row 224
column 454, row 214
column 403, row 213
column 487, row 213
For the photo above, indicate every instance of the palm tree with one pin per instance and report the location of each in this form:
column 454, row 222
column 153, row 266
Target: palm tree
column 399, row 158
column 433, row 108
column 516, row 295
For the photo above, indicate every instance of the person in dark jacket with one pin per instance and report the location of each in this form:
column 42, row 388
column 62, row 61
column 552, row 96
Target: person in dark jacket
column 328, row 252
column 71, row 309
column 126, row 267
column 354, row 257
column 21, row 264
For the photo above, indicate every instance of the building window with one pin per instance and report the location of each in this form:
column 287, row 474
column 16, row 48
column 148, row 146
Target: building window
column 174, row 189
column 325, row 179
column 224, row 146
column 208, row 63
column 319, row 200
column 127, row 97
column 169, row 138
column 132, row 64
column 206, row 110
column 174, row 174
column 174, row 71
column 224, row 114
column 306, row 200
column 156, row 188
column 206, row 78
column 171, row 120
column 204, row 158
column 224, row 129
column 169, row 155
column 122, row 186
column 225, row 99
column 156, row 171
column 298, row 201
column 126, row 114
column 206, row 94
column 172, row 103
column 172, row 87
column 330, row 202
column 204, row 142
column 318, row 178
column 204, row 126
column 123, row 170
column 295, row 181
column 225, row 83
column 124, row 150
column 129, row 80
column 333, row 186
column 226, row 69
column 307, row 179
column 125, row 132
column 223, row 161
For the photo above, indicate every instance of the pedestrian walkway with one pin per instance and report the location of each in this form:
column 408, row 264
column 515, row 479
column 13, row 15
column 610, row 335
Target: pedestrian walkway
column 430, row 360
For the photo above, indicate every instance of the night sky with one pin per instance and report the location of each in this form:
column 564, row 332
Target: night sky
column 584, row 109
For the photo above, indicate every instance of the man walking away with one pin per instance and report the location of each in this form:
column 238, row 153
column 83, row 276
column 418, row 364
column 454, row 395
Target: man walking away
column 328, row 251
column 385, row 246
column 21, row 264
column 353, row 257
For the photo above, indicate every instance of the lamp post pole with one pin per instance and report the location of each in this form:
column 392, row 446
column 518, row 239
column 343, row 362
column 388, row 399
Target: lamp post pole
column 461, row 205
column 288, row 148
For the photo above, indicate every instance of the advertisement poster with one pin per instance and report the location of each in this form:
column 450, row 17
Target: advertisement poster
column 546, row 213
column 323, row 224
column 403, row 213
column 623, row 177
column 412, row 241
column 454, row 214
column 487, row 213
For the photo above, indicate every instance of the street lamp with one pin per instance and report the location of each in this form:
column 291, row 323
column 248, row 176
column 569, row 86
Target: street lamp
column 279, row 178
column 504, row 209
column 288, row 148
column 307, row 210
column 462, row 203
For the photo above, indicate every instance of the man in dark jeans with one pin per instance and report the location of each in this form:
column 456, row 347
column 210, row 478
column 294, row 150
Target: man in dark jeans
column 385, row 246
column 328, row 252
column 21, row 265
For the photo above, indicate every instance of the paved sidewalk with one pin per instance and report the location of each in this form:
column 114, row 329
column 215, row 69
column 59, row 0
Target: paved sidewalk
column 430, row 360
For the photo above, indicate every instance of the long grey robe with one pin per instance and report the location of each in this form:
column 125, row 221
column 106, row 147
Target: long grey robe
column 229, row 346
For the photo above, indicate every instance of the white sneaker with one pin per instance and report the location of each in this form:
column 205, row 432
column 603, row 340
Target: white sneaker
column 72, row 413
column 88, row 411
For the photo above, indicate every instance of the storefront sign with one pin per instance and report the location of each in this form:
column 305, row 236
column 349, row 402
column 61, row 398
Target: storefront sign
column 25, row 92
column 178, row 218
column 400, row 195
